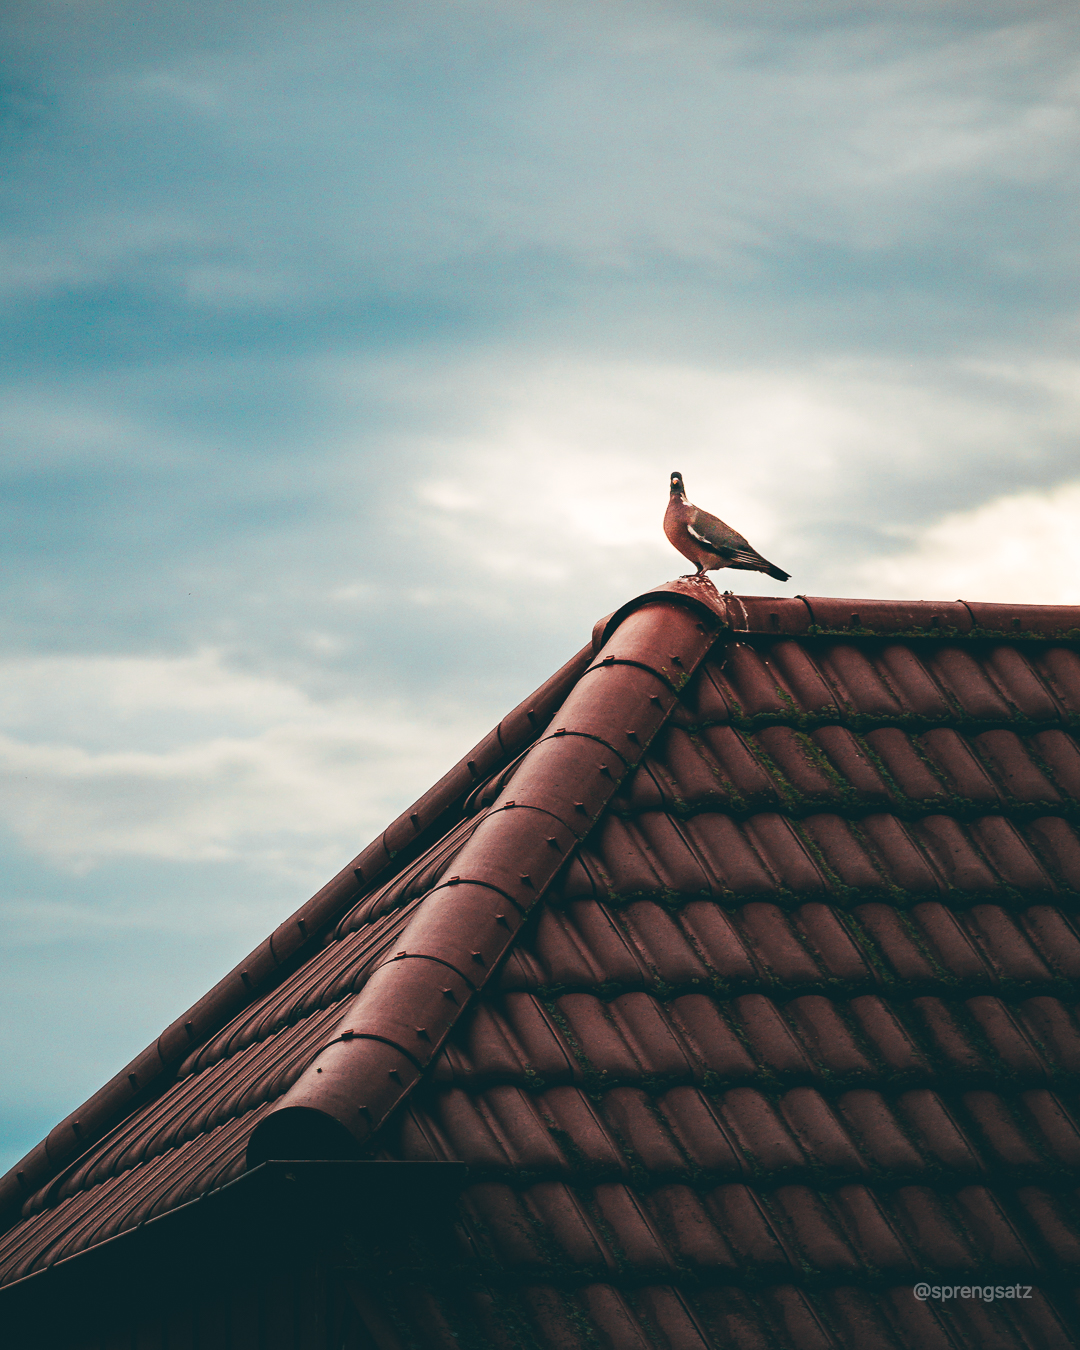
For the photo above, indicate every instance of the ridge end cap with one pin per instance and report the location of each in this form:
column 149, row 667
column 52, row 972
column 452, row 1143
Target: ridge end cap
column 698, row 594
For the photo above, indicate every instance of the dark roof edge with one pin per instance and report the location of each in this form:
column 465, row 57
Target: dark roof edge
column 268, row 1217
column 412, row 831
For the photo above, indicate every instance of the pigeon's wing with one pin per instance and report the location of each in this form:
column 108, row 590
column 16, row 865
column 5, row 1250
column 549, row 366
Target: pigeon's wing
column 712, row 534
column 727, row 544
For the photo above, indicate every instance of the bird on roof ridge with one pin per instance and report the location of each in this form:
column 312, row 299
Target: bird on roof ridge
column 707, row 541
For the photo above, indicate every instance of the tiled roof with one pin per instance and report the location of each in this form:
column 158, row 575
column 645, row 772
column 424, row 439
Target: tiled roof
column 747, row 995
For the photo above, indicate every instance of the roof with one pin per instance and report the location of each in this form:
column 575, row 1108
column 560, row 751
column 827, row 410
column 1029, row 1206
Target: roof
column 739, row 966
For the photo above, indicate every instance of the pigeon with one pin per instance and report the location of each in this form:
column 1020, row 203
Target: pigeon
column 708, row 542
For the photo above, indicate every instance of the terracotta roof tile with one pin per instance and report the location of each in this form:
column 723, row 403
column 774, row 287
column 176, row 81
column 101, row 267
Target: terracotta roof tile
column 748, row 994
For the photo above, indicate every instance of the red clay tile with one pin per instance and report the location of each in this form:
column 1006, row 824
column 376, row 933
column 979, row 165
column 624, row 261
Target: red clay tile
column 1059, row 669
column 709, row 1037
column 730, row 856
column 667, row 1310
column 714, row 936
column 777, row 839
column 557, row 1318
column 947, row 941
column 796, row 1318
column 960, row 675
column 501, row 1212
column 767, row 930
column 486, row 1047
column 801, row 678
column 933, row 1234
column 869, row 1229
column 826, row 1037
column 760, row 1130
column 707, row 701
column 957, row 861
column 1053, row 1030
column 796, row 758
column 894, row 936
column 595, row 1037
column 886, row 1036
column 1003, row 845
column 947, row 1036
column 848, row 756
column 964, row 775
column 612, row 1317
column 472, row 1132
column 645, row 1025
column 661, row 944
column 1005, row 1035
column 857, row 684
column 733, row 1320
column 1004, row 1140
column 1004, row 943
column 843, row 853
column 1054, row 1227
column 630, row 1113
column 915, row 687
column 1020, row 684
column 685, row 775
column 568, row 1224
column 651, row 854
column 688, row 1229
column 545, row 1049
column 1011, row 764
column 694, row 1121
column 1058, row 751
column 754, row 689
column 1055, row 1125
column 900, row 760
column 934, row 1129
column 877, row 1132
column 903, row 860
column 769, row 1035
column 694, row 966
column 1054, row 840
column 580, row 1130
column 741, row 773
column 565, row 955
column 639, row 1241
column 812, row 1231
column 831, row 944
column 749, row 1231
column 819, row 1132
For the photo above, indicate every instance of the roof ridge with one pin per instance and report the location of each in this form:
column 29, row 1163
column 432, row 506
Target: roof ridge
column 397, row 845
column 394, row 1027
column 815, row 614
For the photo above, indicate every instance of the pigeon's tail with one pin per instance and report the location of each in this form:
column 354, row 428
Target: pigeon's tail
column 749, row 560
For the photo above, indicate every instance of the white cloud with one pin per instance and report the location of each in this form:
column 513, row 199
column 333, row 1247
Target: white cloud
column 555, row 471
column 1023, row 549
column 246, row 767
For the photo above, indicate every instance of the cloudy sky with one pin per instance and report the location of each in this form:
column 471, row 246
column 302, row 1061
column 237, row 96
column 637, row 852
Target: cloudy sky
column 345, row 350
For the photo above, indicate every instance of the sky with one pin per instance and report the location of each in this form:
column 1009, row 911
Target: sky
column 345, row 351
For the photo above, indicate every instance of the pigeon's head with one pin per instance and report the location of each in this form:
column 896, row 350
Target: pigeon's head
column 677, row 484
